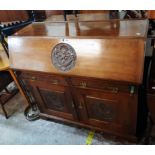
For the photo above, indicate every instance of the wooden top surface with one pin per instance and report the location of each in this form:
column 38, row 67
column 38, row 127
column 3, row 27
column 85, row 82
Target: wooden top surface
column 4, row 62
column 108, row 59
column 88, row 29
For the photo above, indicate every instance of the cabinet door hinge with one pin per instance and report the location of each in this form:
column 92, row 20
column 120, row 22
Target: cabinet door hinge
column 132, row 90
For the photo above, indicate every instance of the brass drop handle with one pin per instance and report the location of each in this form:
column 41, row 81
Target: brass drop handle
column 33, row 78
column 83, row 85
column 80, row 105
column 113, row 89
column 55, row 82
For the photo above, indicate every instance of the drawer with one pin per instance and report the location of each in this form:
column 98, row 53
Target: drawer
column 102, row 85
column 52, row 79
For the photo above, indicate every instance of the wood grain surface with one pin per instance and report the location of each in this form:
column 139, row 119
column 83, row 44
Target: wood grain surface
column 4, row 61
column 109, row 59
column 87, row 29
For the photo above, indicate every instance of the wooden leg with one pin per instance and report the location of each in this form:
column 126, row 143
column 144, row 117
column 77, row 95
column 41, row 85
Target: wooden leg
column 5, row 113
column 18, row 85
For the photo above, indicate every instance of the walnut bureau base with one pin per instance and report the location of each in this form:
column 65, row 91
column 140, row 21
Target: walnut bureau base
column 92, row 78
column 102, row 105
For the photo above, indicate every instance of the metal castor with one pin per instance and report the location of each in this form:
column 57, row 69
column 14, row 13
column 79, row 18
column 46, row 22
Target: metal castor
column 31, row 113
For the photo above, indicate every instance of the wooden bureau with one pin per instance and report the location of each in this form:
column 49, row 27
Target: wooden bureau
column 99, row 87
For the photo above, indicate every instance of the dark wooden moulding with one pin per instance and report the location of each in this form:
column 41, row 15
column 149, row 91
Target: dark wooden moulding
column 102, row 90
column 151, row 93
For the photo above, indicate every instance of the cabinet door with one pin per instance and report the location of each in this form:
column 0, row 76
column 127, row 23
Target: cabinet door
column 107, row 110
column 53, row 99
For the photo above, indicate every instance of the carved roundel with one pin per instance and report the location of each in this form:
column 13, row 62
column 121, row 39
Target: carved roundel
column 63, row 57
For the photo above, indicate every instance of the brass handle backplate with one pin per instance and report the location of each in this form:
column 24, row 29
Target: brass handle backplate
column 112, row 89
column 55, row 81
column 33, row 78
column 83, row 85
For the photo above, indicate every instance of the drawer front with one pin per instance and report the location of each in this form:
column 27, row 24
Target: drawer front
column 52, row 79
column 103, row 85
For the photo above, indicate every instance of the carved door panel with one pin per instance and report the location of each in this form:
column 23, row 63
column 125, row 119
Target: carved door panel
column 54, row 100
column 111, row 111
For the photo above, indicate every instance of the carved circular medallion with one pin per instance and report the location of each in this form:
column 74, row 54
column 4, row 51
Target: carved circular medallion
column 63, row 57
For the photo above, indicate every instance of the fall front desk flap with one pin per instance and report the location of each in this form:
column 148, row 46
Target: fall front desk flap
column 110, row 50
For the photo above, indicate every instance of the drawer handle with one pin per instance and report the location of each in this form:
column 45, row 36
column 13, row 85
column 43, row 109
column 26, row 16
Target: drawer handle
column 112, row 89
column 33, row 78
column 55, row 82
column 115, row 90
column 83, row 85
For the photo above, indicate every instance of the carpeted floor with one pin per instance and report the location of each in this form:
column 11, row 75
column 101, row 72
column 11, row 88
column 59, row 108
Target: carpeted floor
column 18, row 130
